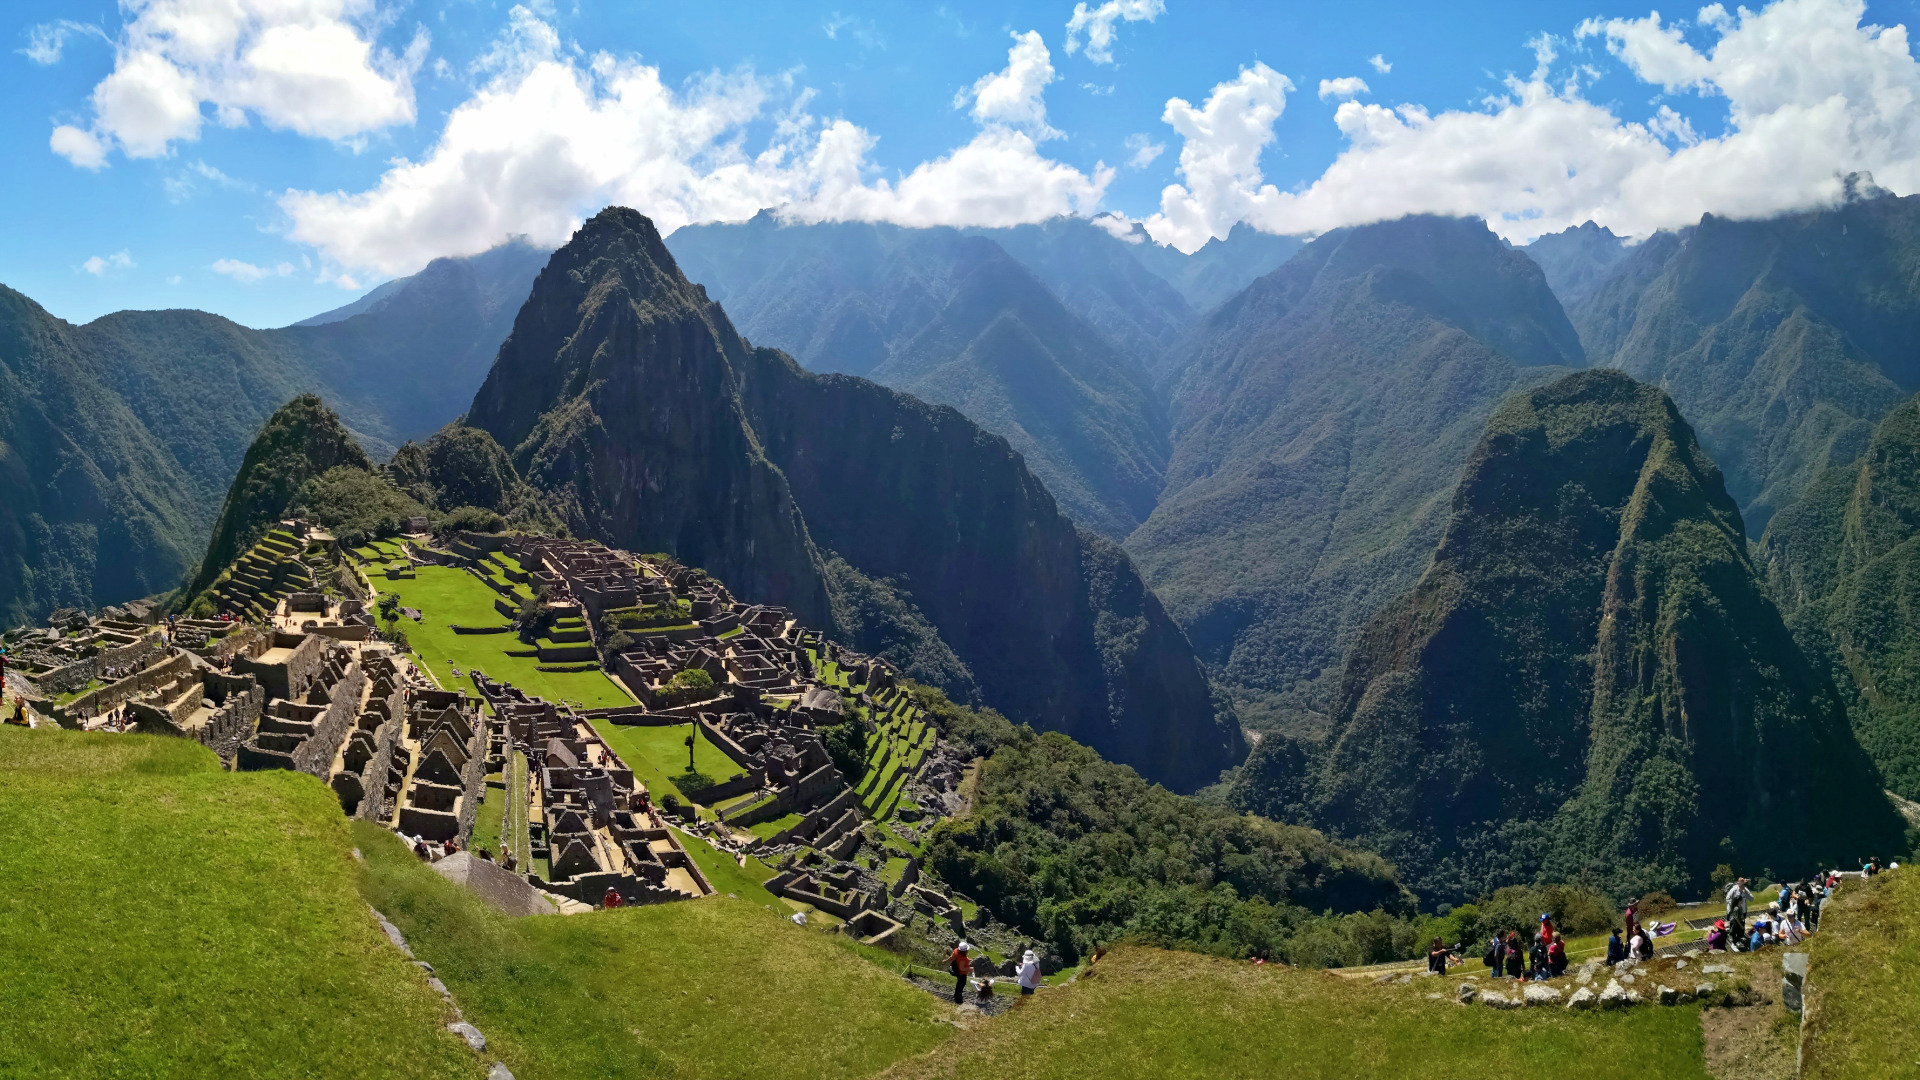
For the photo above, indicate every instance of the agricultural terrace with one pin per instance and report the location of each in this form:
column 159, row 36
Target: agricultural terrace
column 446, row 597
column 894, row 752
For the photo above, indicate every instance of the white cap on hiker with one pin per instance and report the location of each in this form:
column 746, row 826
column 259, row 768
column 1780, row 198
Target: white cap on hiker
column 964, row 947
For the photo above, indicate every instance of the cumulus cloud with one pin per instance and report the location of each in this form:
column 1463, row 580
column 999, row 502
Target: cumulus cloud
column 246, row 273
column 1097, row 24
column 307, row 66
column 1344, row 89
column 1220, row 158
column 1812, row 93
column 1143, row 150
column 98, row 266
column 553, row 136
column 1013, row 96
column 1380, row 63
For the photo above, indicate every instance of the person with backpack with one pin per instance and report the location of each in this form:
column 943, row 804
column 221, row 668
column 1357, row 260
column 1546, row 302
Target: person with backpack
column 961, row 965
column 1516, row 957
column 1029, row 973
column 1496, row 957
column 1556, row 957
column 1616, row 950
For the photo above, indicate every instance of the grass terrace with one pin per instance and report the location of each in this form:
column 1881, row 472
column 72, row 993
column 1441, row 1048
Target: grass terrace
column 658, row 756
column 711, row 988
column 1149, row 1013
column 161, row 917
column 445, row 597
column 1865, row 977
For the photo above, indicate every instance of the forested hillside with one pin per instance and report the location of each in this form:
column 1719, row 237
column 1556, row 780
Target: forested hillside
column 1319, row 425
column 1844, row 563
column 1783, row 340
column 1588, row 682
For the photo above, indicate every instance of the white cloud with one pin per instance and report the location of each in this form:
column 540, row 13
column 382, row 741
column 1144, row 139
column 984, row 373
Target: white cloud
column 48, row 41
column 1345, row 89
column 246, row 273
column 862, row 32
column 1811, row 93
column 1144, row 150
column 1380, row 63
column 1097, row 24
column 307, row 66
column 98, row 266
column 1120, row 228
column 1220, row 158
column 1013, row 96
column 553, row 136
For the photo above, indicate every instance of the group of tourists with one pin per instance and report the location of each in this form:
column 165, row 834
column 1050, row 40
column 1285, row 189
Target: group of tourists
column 960, row 966
column 1789, row 918
column 1543, row 956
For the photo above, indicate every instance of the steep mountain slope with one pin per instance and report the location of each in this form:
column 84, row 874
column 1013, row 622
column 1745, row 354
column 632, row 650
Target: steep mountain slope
column 1221, row 268
column 629, row 398
column 156, row 410
column 1783, row 341
column 1578, row 261
column 1844, row 564
column 93, row 508
column 1319, row 426
column 1588, row 679
column 303, row 439
column 953, row 319
column 414, row 355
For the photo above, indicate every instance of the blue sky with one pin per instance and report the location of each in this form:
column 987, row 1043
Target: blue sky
column 248, row 166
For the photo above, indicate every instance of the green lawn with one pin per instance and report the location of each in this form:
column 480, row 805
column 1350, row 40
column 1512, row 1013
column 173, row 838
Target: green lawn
column 445, row 595
column 1865, row 978
column 726, row 876
column 1147, row 1013
column 659, row 754
column 710, row 988
column 765, row 830
column 160, row 917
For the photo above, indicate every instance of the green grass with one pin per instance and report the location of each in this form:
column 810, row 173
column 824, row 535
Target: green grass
column 1865, row 978
column 726, row 876
column 1147, row 1013
column 444, row 595
column 765, row 830
column 488, row 823
column 709, row 988
column 659, row 754
column 160, row 917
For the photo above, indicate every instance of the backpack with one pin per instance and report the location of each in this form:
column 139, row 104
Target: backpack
column 1490, row 959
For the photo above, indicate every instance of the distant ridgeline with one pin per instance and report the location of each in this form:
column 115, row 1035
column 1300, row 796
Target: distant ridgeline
column 1587, row 682
column 119, row 438
column 626, row 396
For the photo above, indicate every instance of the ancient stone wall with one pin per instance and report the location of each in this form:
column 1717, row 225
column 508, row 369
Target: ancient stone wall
column 98, row 701
column 315, row 756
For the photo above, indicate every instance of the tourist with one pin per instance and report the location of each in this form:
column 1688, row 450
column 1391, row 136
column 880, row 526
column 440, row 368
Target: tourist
column 1437, row 957
column 1616, row 950
column 612, row 899
column 1631, row 918
column 961, row 965
column 1496, row 957
column 983, row 990
column 1556, row 957
column 1717, row 937
column 1640, row 945
column 420, row 849
column 1516, row 957
column 1028, row 973
column 1537, row 959
column 1546, row 925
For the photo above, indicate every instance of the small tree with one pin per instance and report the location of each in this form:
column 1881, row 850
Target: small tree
column 389, row 605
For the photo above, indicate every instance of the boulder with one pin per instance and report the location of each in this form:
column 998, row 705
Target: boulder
column 499, row 1072
column 1634, row 998
column 1668, row 995
column 1467, row 993
column 1717, row 969
column 1384, row 979
column 1679, row 965
column 1495, row 1000
column 1536, row 994
column 1613, row 997
column 1626, row 978
column 470, row 1033
column 1704, row 990
column 1582, row 998
column 1403, row 980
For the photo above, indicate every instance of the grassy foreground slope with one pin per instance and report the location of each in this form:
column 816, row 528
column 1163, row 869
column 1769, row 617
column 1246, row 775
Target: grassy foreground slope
column 1865, row 977
column 709, row 988
column 159, row 917
column 1149, row 1013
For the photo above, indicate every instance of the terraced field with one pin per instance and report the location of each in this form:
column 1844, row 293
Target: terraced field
column 268, row 573
column 894, row 753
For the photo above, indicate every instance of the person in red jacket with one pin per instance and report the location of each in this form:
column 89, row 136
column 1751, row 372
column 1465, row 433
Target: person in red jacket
column 612, row 899
column 961, row 964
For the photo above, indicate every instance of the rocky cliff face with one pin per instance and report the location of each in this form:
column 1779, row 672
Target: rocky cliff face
column 1320, row 424
column 1844, row 563
column 627, row 395
column 1784, row 341
column 1587, row 680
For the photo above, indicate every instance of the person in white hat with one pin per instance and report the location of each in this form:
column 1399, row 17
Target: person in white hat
column 1029, row 973
column 961, row 965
